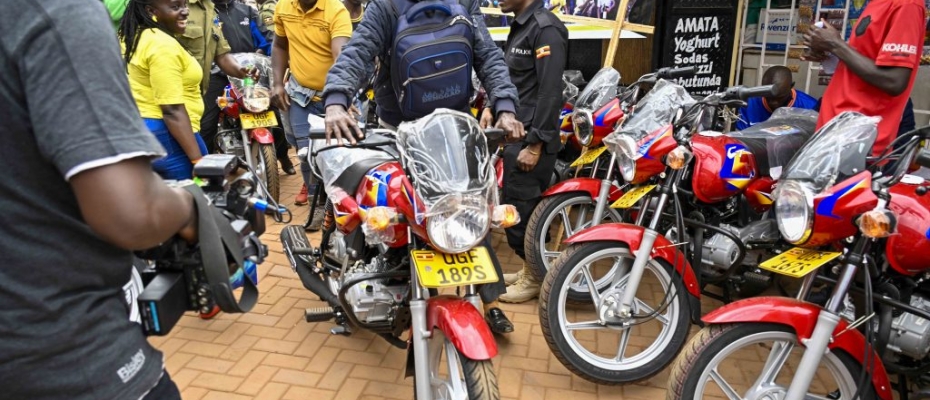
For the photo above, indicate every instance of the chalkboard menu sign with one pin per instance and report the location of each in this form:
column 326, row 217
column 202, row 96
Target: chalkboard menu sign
column 698, row 33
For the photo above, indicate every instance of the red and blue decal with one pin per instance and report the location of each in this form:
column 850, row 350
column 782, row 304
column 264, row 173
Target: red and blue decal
column 734, row 166
column 927, row 234
column 599, row 118
column 826, row 206
column 377, row 195
column 665, row 131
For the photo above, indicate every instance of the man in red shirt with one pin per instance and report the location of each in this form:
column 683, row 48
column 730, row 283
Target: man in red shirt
column 877, row 67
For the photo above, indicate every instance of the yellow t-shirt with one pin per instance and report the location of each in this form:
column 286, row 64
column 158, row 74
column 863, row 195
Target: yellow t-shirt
column 161, row 72
column 309, row 35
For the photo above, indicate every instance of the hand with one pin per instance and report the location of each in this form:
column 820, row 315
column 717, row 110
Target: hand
column 354, row 112
column 508, row 122
column 341, row 125
column 822, row 40
column 487, row 118
column 814, row 56
column 528, row 157
column 251, row 71
column 280, row 98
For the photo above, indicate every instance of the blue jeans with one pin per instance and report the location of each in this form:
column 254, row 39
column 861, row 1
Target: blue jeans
column 299, row 136
column 175, row 165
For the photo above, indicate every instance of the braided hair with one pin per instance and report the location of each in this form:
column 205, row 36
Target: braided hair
column 135, row 20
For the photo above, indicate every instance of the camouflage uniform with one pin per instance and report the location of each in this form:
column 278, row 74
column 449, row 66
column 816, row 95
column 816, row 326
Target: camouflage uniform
column 203, row 37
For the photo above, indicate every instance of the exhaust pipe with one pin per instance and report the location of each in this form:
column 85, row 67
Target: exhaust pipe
column 303, row 261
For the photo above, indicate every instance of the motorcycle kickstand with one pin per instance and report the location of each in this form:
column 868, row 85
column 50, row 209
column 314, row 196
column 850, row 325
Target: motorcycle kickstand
column 313, row 205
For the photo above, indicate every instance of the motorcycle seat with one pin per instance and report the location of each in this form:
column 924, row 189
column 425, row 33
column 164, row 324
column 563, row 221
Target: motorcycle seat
column 350, row 179
column 773, row 143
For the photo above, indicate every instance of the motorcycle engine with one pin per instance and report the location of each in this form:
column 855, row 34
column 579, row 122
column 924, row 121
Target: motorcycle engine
column 910, row 334
column 375, row 300
column 231, row 144
column 720, row 252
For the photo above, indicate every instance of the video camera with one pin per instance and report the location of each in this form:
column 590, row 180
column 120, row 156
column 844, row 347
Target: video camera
column 184, row 277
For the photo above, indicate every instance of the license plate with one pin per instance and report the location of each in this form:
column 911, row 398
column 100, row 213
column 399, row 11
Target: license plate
column 630, row 198
column 589, row 156
column 798, row 261
column 438, row 270
column 260, row 120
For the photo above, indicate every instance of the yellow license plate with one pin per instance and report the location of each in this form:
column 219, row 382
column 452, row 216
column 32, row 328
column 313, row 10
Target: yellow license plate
column 798, row 261
column 260, row 120
column 437, row 270
column 630, row 198
column 589, row 156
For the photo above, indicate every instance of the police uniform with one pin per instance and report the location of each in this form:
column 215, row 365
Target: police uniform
column 266, row 15
column 203, row 37
column 536, row 53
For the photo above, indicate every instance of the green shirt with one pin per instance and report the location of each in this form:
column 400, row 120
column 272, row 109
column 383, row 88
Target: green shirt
column 266, row 14
column 116, row 9
column 203, row 37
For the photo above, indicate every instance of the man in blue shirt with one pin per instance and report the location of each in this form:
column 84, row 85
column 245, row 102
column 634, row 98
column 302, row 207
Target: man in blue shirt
column 760, row 109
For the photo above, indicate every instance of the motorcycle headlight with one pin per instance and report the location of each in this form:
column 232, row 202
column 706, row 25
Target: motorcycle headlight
column 258, row 100
column 793, row 205
column 458, row 222
column 583, row 123
column 625, row 150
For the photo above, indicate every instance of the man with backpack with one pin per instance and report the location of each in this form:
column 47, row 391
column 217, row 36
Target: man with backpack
column 421, row 42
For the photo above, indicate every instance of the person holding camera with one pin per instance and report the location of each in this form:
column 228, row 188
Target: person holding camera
column 79, row 195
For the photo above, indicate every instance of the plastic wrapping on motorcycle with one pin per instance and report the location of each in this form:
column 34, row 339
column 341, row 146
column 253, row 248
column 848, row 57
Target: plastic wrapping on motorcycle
column 601, row 89
column 802, row 317
column 775, row 141
column 655, row 110
column 217, row 239
column 258, row 61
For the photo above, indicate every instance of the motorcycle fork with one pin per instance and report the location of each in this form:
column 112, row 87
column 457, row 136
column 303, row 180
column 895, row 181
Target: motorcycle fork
column 624, row 309
column 827, row 320
column 600, row 203
column 252, row 163
column 419, row 333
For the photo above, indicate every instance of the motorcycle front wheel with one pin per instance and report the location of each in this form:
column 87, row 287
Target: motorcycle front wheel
column 555, row 219
column 756, row 361
column 613, row 352
column 266, row 168
column 454, row 376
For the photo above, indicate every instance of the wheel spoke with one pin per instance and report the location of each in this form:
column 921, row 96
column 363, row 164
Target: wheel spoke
column 578, row 326
column 595, row 296
column 552, row 255
column 649, row 310
column 452, row 361
column 724, row 386
column 581, row 221
column 624, row 342
column 566, row 223
column 774, row 363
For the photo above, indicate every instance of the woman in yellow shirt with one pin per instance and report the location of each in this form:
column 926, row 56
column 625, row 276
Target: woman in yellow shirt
column 165, row 81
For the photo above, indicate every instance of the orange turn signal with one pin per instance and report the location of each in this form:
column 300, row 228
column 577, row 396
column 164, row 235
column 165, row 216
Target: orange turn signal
column 678, row 158
column 505, row 216
column 379, row 219
column 877, row 224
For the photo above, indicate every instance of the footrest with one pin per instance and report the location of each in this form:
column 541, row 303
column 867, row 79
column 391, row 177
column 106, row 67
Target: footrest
column 319, row 314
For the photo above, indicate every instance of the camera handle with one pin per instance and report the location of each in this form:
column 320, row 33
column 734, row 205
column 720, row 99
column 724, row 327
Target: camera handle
column 216, row 239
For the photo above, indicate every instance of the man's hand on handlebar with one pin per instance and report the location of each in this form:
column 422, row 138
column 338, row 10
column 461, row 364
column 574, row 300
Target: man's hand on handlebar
column 511, row 126
column 486, row 119
column 341, row 125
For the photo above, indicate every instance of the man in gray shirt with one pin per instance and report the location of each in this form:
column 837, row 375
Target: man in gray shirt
column 77, row 193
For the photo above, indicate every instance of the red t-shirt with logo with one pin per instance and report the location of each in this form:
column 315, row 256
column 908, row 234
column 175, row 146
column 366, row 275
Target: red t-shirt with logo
column 891, row 32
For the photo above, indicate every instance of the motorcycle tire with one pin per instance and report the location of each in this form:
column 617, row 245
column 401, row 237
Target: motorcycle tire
column 594, row 368
column 687, row 374
column 480, row 378
column 267, row 156
column 538, row 227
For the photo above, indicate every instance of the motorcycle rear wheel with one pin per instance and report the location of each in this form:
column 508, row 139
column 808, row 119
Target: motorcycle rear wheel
column 267, row 168
column 700, row 368
column 473, row 378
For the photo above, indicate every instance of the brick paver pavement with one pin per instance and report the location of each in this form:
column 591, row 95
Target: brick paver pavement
column 272, row 353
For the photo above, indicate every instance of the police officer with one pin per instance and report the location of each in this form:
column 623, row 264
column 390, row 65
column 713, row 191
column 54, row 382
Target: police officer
column 536, row 53
column 266, row 14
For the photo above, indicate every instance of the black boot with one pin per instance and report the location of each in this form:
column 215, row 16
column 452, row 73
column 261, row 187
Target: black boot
column 498, row 321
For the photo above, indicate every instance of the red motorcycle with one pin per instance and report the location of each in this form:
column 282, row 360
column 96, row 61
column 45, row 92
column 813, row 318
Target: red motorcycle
column 692, row 194
column 870, row 223
column 245, row 123
column 408, row 216
column 578, row 203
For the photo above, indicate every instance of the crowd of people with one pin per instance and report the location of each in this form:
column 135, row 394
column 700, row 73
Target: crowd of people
column 80, row 162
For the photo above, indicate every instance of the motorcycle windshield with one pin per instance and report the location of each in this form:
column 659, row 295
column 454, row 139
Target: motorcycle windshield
column 253, row 60
column 835, row 152
column 656, row 110
column 601, row 89
column 446, row 152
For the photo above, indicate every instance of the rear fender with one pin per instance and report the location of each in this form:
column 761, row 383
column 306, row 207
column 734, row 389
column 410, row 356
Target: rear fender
column 262, row 135
column 591, row 186
column 463, row 325
column 801, row 317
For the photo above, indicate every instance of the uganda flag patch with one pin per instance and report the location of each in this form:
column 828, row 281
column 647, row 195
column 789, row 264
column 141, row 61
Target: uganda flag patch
column 542, row 52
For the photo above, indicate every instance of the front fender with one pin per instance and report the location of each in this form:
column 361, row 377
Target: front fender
column 802, row 317
column 262, row 135
column 632, row 236
column 591, row 186
column 463, row 325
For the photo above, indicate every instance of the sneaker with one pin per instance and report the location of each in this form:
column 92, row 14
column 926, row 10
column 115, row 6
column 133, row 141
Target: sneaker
column 301, row 198
column 316, row 220
column 522, row 291
column 510, row 279
column 497, row 321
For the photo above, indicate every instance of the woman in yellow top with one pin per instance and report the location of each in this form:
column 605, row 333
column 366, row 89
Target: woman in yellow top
column 165, row 81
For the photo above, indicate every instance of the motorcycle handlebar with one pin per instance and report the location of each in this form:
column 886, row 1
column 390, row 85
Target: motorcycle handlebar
column 923, row 158
column 745, row 93
column 670, row 73
column 490, row 133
